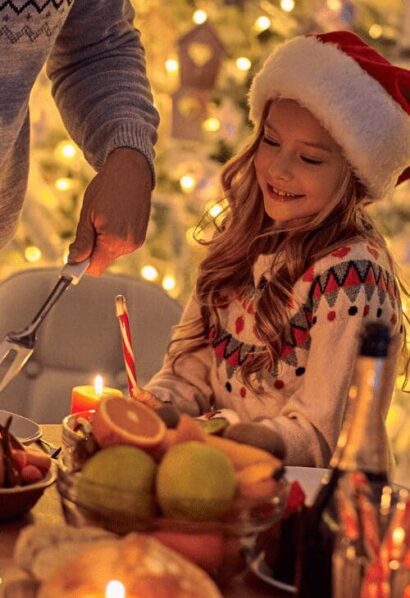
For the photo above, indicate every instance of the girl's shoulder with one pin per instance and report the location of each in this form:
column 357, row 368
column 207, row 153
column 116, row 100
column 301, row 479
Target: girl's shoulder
column 354, row 264
column 357, row 253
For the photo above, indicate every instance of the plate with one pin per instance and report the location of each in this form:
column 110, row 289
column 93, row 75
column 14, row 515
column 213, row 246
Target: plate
column 25, row 429
column 261, row 570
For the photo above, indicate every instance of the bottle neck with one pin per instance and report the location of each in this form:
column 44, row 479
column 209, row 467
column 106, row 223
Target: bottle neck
column 361, row 444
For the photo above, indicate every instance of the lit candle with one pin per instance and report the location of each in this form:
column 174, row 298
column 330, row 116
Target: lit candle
column 115, row 589
column 88, row 397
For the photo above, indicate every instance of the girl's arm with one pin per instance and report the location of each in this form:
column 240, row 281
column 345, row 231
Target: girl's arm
column 189, row 388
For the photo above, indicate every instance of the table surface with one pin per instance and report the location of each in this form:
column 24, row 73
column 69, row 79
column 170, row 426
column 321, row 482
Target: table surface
column 48, row 510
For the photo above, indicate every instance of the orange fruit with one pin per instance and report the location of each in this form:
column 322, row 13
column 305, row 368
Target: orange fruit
column 205, row 550
column 189, row 428
column 118, row 420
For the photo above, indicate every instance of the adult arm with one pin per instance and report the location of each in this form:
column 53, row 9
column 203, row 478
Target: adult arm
column 99, row 82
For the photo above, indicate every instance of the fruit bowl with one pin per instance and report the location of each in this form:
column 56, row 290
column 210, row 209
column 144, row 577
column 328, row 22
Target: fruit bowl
column 19, row 500
column 222, row 547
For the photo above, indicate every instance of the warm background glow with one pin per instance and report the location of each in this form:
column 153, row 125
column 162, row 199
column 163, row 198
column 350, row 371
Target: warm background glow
column 239, row 35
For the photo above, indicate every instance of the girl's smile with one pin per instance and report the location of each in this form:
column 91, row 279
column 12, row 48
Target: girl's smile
column 279, row 195
column 298, row 165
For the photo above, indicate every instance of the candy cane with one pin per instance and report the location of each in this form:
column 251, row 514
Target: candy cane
column 129, row 359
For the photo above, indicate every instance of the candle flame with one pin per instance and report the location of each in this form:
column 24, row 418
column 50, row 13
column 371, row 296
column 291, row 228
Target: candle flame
column 398, row 535
column 115, row 589
column 98, row 385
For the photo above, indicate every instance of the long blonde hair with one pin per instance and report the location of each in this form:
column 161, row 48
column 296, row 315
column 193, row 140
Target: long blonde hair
column 245, row 233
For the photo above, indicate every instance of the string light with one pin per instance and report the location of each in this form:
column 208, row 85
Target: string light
column 149, row 272
column 63, row 184
column 115, row 589
column 66, row 150
column 199, row 17
column 168, row 283
column 262, row 23
column 375, row 31
column 32, row 253
column 243, row 63
column 215, row 210
column 211, row 124
column 187, row 182
column 172, row 65
column 287, row 5
column 334, row 5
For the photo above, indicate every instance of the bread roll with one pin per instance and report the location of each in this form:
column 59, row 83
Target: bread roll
column 147, row 568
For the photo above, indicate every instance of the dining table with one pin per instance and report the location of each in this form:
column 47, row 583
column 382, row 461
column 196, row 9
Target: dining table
column 48, row 510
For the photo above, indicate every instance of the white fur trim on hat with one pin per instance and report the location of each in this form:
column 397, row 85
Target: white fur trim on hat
column 371, row 128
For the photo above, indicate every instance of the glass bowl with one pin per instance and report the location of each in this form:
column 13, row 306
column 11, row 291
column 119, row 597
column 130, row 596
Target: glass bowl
column 222, row 548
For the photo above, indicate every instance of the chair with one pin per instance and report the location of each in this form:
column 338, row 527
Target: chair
column 80, row 337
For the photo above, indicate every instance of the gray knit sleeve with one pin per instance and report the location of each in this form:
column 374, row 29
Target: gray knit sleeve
column 99, row 81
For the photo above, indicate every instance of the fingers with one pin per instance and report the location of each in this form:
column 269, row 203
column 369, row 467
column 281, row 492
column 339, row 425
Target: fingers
column 257, row 435
column 115, row 212
column 106, row 250
column 83, row 245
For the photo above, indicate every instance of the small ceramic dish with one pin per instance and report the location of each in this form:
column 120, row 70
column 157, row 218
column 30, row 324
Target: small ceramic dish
column 16, row 502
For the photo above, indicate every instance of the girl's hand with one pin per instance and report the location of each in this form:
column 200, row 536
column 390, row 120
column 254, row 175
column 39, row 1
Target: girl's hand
column 166, row 411
column 146, row 397
column 257, row 435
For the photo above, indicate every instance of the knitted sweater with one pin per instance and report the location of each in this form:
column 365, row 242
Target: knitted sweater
column 95, row 60
column 305, row 397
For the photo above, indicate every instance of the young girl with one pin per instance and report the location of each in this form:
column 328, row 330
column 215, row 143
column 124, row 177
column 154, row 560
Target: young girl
column 298, row 267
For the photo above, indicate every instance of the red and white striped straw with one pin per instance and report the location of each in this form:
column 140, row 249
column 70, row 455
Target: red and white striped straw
column 129, row 359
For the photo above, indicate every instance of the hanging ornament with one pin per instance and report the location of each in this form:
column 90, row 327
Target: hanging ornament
column 200, row 54
column 189, row 107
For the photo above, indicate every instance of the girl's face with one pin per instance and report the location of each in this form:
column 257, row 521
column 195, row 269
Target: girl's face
column 298, row 165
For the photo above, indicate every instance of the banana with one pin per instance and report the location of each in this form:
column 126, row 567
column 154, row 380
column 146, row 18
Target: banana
column 240, row 454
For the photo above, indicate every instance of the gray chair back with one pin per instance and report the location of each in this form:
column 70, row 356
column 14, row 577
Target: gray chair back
column 80, row 337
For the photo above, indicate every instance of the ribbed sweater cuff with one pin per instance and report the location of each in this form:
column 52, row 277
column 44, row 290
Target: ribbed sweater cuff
column 131, row 135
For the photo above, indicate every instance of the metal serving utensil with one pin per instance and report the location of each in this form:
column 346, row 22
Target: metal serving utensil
column 17, row 347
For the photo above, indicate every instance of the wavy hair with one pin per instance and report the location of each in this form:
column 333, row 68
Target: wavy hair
column 245, row 233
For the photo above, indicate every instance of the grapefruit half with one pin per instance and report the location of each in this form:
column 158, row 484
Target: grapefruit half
column 118, row 420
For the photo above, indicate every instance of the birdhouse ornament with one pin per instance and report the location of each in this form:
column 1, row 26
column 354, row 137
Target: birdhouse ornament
column 200, row 53
column 200, row 56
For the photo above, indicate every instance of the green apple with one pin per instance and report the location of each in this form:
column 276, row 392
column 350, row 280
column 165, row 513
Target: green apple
column 196, row 482
column 118, row 480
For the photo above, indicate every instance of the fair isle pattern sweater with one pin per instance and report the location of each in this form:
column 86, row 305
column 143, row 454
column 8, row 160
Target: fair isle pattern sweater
column 96, row 63
column 305, row 397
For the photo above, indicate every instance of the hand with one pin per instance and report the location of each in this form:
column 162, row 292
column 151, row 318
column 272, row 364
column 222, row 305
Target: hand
column 115, row 211
column 166, row 411
column 257, row 435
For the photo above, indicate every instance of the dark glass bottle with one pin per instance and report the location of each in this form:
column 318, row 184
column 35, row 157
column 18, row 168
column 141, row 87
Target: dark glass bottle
column 359, row 449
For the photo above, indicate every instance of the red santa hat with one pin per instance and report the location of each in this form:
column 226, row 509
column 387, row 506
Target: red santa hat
column 361, row 99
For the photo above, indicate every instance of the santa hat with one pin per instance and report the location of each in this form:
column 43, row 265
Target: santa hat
column 360, row 98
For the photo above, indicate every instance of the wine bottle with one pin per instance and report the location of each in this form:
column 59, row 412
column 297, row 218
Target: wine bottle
column 359, row 449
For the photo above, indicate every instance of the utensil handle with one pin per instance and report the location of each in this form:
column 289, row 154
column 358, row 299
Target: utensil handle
column 70, row 274
column 74, row 272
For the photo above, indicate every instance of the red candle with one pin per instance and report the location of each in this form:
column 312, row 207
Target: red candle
column 87, row 397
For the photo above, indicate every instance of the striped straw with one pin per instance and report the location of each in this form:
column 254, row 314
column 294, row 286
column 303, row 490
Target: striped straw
column 129, row 359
